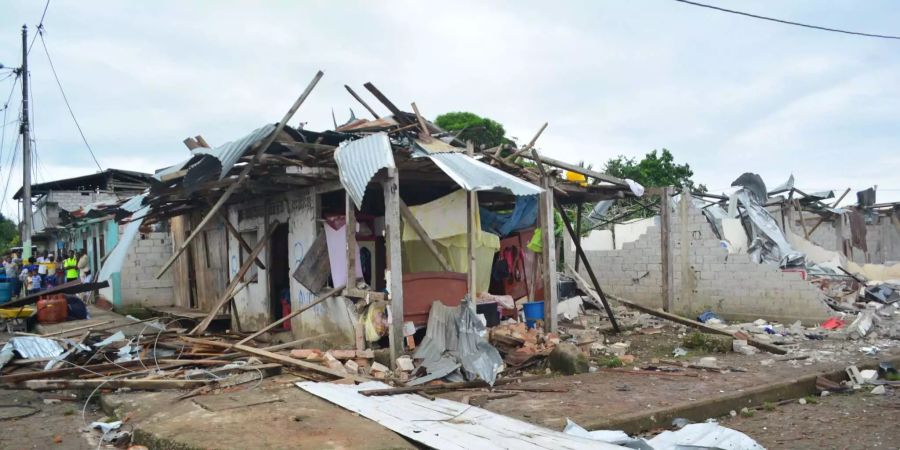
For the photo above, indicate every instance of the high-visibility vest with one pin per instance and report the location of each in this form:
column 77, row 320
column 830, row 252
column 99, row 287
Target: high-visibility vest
column 71, row 267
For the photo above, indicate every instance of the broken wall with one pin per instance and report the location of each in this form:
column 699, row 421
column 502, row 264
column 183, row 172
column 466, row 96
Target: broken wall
column 143, row 261
column 300, row 210
column 705, row 275
column 882, row 237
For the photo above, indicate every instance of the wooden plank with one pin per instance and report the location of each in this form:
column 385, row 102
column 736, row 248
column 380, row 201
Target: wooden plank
column 424, row 134
column 277, row 357
column 399, row 116
column 287, row 317
column 362, row 102
column 668, row 263
column 371, row 296
column 237, row 235
column 413, row 222
column 676, row 318
column 228, row 294
column 83, row 327
column 18, row 377
column 800, row 215
column 314, row 269
column 528, row 146
column 471, row 232
column 578, row 169
column 394, row 266
column 350, row 234
column 181, row 285
column 578, row 213
column 244, row 173
column 548, row 255
column 579, row 252
column 822, row 219
column 112, row 383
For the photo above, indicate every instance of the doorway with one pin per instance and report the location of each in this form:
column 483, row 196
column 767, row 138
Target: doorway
column 279, row 270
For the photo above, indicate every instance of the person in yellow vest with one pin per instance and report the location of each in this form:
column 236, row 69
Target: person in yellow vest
column 71, row 267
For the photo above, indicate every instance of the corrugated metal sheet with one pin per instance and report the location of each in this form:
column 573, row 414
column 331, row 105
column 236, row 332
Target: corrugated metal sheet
column 474, row 175
column 116, row 258
column 134, row 203
column 358, row 161
column 228, row 154
column 33, row 347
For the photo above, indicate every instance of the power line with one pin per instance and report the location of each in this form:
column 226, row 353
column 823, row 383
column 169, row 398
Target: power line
column 40, row 25
column 66, row 99
column 788, row 22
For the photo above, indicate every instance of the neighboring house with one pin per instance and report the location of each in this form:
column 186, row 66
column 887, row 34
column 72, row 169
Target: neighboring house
column 54, row 201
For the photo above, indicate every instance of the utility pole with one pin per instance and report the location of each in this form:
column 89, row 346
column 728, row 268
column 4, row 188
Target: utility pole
column 26, row 152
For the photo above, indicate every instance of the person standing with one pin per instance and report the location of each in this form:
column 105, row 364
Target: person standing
column 84, row 266
column 71, row 267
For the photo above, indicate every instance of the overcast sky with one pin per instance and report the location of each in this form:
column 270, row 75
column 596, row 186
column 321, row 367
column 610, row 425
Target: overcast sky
column 725, row 93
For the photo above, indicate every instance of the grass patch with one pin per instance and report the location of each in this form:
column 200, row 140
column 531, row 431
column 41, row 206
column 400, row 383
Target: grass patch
column 747, row 412
column 811, row 400
column 891, row 376
column 610, row 362
column 69, row 412
column 707, row 342
column 768, row 406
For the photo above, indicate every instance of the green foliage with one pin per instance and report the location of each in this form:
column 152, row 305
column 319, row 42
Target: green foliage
column 9, row 234
column 769, row 406
column 610, row 361
column 654, row 170
column 746, row 412
column 483, row 132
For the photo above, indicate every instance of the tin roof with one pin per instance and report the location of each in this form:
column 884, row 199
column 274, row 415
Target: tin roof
column 358, row 161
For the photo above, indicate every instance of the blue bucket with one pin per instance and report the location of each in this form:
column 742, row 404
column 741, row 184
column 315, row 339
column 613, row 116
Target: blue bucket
column 533, row 311
column 6, row 290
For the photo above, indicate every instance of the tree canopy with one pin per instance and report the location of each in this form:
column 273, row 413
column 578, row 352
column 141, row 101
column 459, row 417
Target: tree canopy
column 9, row 234
column 654, row 170
column 482, row 131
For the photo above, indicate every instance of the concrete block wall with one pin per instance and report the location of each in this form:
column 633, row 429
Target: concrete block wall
column 705, row 276
column 146, row 257
column 882, row 238
column 72, row 200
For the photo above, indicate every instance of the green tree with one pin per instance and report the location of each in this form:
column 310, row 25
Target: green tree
column 654, row 170
column 483, row 132
column 9, row 234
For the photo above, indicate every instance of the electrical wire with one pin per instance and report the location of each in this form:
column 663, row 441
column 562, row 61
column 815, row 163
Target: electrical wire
column 788, row 22
column 39, row 27
column 66, row 99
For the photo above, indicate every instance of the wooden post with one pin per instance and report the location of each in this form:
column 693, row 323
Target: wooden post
column 472, row 211
column 548, row 255
column 665, row 225
column 237, row 235
column 579, row 253
column 244, row 173
column 394, row 264
column 351, row 241
column 577, row 239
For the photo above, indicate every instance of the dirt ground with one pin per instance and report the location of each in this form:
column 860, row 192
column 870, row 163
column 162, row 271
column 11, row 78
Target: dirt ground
column 844, row 421
column 55, row 425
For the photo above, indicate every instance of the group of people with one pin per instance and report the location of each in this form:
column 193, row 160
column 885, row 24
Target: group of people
column 45, row 271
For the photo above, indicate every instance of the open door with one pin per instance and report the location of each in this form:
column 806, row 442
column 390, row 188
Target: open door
column 279, row 270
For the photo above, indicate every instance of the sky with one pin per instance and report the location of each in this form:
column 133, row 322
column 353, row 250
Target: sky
column 725, row 94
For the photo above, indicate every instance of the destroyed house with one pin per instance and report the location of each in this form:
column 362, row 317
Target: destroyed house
column 347, row 230
column 55, row 201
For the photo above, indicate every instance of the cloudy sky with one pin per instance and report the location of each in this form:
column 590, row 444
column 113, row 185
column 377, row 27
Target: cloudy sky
column 725, row 93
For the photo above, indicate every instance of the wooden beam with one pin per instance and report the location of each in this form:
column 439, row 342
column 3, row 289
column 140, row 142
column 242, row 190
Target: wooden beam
column 360, row 100
column 413, row 222
column 425, row 134
column 799, row 210
column 277, row 357
column 578, row 213
column 237, row 235
column 77, row 370
column 399, row 116
column 528, row 146
column 350, row 234
column 472, row 231
column 244, row 173
column 577, row 169
column 228, row 294
column 112, row 383
column 369, row 296
column 202, row 141
column 293, row 314
column 394, row 262
column 822, row 219
column 668, row 263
